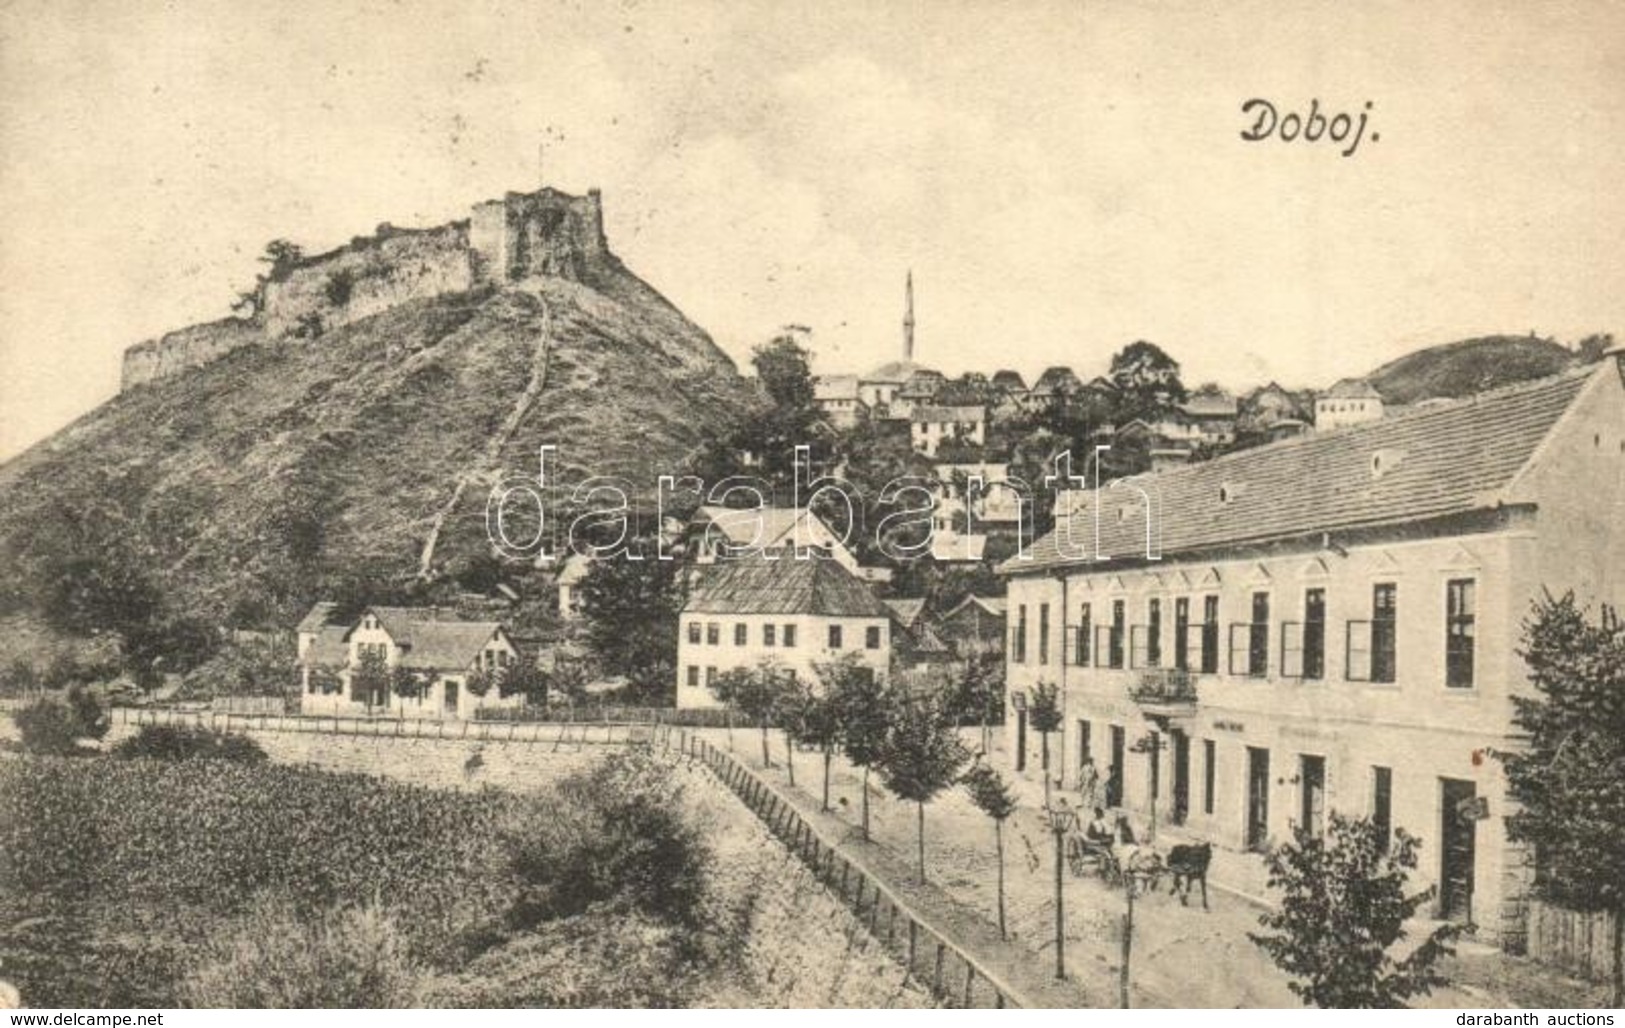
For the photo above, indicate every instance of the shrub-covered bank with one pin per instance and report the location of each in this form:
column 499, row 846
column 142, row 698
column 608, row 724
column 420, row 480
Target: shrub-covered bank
column 204, row 882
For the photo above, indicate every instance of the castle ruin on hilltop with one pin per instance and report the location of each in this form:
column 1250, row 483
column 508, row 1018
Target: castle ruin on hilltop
column 523, row 234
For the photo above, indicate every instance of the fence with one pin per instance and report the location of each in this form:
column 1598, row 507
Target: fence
column 1581, row 944
column 696, row 717
column 930, row 956
column 599, row 733
column 255, row 704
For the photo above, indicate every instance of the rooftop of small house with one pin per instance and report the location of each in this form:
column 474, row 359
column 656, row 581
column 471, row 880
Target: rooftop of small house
column 1351, row 389
column 946, row 415
column 784, row 586
column 835, row 387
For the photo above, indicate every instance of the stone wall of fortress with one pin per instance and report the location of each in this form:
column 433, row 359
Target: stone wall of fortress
column 523, row 234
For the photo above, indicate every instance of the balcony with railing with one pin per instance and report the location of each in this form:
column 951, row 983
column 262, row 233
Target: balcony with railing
column 1164, row 690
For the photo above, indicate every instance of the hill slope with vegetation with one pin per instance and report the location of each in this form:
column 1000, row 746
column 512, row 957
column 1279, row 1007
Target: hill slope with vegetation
column 1469, row 366
column 240, row 491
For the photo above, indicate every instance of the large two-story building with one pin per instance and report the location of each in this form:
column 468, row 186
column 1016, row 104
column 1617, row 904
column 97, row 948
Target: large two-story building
column 795, row 613
column 1329, row 622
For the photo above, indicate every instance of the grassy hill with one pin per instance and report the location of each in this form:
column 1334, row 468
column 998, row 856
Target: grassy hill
column 288, row 469
column 1469, row 366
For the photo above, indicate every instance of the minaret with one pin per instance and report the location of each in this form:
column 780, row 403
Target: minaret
column 908, row 317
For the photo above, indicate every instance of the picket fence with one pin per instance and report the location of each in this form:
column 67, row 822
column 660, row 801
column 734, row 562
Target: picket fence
column 1579, row 943
column 600, row 733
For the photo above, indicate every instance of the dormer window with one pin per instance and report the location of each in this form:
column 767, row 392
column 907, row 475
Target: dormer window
column 1386, row 461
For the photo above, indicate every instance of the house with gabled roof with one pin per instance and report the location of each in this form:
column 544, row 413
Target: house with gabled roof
column 1330, row 622
column 920, row 390
column 838, row 397
column 793, row 613
column 721, row 533
column 432, row 648
column 878, row 388
column 931, row 426
column 1056, row 383
column 973, row 625
column 1350, row 401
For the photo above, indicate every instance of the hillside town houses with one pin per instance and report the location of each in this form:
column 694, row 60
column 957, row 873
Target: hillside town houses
column 1328, row 622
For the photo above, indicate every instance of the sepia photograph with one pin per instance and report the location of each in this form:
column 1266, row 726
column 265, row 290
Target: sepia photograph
column 869, row 505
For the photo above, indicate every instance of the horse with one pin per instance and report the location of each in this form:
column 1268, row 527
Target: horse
column 1188, row 865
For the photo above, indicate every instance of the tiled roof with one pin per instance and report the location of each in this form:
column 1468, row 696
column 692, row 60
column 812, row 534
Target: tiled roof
column 316, row 618
column 399, row 621
column 896, row 372
column 1057, row 379
column 1010, row 380
column 1210, row 405
column 328, row 649
column 922, row 638
column 1427, row 463
column 739, row 528
column 907, row 611
column 785, row 586
column 1352, row 389
column 994, row 605
column 835, row 387
column 447, row 645
column 923, row 383
column 947, row 414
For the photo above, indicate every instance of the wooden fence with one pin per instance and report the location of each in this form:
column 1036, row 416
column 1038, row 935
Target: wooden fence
column 598, row 733
column 951, row 973
column 1581, row 944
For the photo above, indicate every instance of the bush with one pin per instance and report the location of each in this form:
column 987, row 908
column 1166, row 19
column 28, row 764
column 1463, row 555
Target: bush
column 614, row 836
column 52, row 726
column 349, row 958
column 189, row 742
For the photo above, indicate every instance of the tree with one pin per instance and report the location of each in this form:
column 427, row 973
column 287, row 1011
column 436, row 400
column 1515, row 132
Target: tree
column 784, row 368
column 978, row 690
column 630, row 610
column 755, row 691
column 992, row 796
column 1592, row 347
column 1343, row 907
column 1044, row 714
column 282, row 257
column 795, row 700
column 863, row 712
column 523, row 678
column 1147, row 380
column 371, row 678
column 1569, row 779
column 479, row 682
column 19, row 679
column 53, row 725
column 921, row 757
column 409, row 684
column 818, row 718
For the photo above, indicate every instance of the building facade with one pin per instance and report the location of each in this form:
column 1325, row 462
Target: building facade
column 1348, row 402
column 1329, row 622
column 441, row 650
column 793, row 613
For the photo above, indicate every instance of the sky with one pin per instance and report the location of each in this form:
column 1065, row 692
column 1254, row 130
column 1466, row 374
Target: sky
column 1063, row 178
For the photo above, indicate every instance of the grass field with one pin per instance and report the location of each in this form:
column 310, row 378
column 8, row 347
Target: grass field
column 591, row 878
